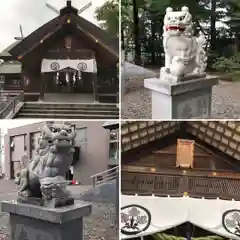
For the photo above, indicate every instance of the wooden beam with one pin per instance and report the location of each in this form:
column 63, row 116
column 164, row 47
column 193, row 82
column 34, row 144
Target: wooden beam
column 98, row 41
column 48, row 35
column 159, row 152
column 139, row 169
column 217, row 156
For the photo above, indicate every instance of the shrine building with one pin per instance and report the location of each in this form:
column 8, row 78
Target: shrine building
column 68, row 59
column 180, row 180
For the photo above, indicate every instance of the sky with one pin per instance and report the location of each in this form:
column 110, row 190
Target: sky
column 32, row 14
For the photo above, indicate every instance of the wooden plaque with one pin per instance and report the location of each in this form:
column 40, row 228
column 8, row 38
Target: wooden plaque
column 185, row 153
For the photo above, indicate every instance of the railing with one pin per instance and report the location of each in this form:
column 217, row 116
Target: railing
column 10, row 101
column 176, row 185
column 105, row 176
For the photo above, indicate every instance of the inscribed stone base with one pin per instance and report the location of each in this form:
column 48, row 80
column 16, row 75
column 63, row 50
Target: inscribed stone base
column 31, row 222
column 184, row 100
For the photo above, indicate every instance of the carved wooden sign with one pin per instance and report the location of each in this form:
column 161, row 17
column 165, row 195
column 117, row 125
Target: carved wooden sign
column 185, row 153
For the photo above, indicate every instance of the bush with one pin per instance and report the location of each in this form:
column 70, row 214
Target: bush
column 223, row 64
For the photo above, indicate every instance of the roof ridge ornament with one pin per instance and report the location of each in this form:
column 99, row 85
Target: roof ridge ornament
column 21, row 32
column 68, row 4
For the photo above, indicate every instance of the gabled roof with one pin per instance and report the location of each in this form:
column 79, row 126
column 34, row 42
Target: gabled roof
column 222, row 135
column 89, row 29
column 5, row 52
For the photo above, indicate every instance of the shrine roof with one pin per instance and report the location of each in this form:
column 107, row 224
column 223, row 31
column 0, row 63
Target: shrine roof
column 223, row 136
column 93, row 32
column 5, row 52
column 11, row 67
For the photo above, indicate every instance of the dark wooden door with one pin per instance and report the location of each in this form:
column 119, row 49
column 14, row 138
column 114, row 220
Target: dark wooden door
column 54, row 85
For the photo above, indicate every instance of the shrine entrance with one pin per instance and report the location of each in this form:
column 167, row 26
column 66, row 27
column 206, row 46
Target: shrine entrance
column 185, row 231
column 185, row 217
column 69, row 80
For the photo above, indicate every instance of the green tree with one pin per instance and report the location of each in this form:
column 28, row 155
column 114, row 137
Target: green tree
column 142, row 25
column 108, row 14
column 126, row 23
column 233, row 14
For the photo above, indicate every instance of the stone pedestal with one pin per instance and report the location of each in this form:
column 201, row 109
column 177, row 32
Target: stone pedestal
column 184, row 100
column 30, row 222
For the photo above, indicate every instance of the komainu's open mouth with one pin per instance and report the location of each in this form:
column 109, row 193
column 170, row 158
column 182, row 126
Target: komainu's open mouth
column 62, row 142
column 175, row 28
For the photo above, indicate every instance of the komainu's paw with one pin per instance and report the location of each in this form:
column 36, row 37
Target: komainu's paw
column 25, row 193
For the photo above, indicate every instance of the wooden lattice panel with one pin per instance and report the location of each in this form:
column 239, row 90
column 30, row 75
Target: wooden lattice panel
column 223, row 135
column 137, row 133
column 178, row 185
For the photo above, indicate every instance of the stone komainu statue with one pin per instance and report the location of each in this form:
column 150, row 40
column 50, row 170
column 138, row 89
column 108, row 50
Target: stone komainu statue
column 44, row 177
column 184, row 53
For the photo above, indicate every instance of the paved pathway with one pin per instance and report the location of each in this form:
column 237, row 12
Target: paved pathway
column 225, row 101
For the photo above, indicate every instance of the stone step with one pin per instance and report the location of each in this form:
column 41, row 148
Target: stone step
column 72, row 103
column 69, row 111
column 66, row 116
column 106, row 192
column 72, row 108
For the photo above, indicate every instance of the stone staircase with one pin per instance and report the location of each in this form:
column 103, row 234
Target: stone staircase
column 105, row 190
column 68, row 110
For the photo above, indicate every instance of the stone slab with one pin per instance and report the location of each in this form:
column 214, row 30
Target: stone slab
column 25, row 228
column 163, row 87
column 185, row 100
column 195, row 104
column 31, row 222
column 53, row 215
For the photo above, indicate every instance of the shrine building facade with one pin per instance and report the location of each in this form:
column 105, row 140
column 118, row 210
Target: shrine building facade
column 66, row 55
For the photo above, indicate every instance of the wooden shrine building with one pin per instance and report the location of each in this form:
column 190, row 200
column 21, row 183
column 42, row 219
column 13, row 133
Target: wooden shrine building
column 66, row 55
column 180, row 179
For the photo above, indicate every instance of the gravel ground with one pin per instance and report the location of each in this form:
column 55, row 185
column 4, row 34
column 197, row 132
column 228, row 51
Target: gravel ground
column 4, row 227
column 101, row 225
column 225, row 101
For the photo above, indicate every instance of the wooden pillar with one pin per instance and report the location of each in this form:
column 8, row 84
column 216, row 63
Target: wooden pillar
column 188, row 231
column 95, row 87
column 95, row 82
column 42, row 86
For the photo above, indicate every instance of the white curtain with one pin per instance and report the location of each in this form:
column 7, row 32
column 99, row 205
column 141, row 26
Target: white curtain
column 170, row 212
column 54, row 65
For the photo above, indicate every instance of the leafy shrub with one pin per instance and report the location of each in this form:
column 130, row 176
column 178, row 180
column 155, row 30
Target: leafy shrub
column 223, row 64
